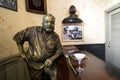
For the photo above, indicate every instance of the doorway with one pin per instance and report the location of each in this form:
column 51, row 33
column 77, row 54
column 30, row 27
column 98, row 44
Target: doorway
column 112, row 44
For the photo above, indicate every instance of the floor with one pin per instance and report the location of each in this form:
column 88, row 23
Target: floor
column 95, row 69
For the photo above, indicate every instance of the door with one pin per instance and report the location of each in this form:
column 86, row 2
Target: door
column 113, row 36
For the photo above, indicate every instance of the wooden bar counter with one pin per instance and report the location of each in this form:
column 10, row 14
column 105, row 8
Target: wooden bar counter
column 64, row 70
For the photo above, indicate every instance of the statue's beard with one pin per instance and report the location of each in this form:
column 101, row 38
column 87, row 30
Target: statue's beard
column 48, row 30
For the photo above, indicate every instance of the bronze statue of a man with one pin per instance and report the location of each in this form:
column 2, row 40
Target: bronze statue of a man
column 44, row 48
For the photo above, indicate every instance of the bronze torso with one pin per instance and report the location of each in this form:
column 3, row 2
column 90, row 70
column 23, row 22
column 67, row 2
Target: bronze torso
column 41, row 46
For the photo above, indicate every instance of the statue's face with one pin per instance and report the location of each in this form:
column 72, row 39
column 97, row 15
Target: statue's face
column 48, row 23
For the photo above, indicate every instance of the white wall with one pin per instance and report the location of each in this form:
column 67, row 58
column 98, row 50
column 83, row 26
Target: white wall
column 90, row 11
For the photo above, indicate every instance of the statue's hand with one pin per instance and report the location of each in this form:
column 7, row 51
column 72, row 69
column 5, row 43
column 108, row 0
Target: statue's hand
column 48, row 63
column 23, row 55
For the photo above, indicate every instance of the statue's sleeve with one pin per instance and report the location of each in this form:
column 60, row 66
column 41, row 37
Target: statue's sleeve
column 21, row 36
column 58, row 49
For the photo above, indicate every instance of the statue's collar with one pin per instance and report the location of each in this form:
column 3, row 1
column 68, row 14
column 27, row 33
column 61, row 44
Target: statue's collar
column 39, row 28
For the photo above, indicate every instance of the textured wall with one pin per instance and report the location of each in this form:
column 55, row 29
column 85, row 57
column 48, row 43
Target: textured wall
column 90, row 11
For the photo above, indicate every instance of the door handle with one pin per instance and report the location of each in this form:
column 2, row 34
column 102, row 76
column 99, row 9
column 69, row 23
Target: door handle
column 109, row 44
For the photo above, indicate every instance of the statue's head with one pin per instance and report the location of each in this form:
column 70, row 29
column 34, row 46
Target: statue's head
column 72, row 9
column 48, row 23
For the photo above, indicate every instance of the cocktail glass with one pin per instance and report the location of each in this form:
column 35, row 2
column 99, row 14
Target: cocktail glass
column 79, row 57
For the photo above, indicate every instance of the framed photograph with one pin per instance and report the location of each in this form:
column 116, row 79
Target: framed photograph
column 72, row 33
column 9, row 4
column 36, row 6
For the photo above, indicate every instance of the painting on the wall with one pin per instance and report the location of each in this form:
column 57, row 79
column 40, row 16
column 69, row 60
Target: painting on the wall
column 36, row 6
column 72, row 33
column 9, row 4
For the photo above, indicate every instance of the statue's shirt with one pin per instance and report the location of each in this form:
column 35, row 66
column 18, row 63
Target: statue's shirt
column 41, row 46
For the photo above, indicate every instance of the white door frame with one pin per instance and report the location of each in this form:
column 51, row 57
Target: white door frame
column 108, row 13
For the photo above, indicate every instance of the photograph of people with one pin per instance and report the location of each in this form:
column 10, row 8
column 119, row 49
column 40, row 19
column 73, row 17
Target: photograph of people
column 72, row 32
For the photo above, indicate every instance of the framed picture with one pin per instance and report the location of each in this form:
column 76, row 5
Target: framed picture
column 36, row 6
column 9, row 4
column 72, row 33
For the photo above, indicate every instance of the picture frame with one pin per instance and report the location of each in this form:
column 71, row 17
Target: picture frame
column 72, row 33
column 36, row 6
column 9, row 4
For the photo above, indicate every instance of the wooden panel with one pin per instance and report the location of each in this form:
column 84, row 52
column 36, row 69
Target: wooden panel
column 11, row 73
column 13, row 68
column 20, row 71
column 2, row 75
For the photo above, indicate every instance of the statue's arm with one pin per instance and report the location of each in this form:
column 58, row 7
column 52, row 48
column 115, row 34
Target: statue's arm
column 58, row 51
column 20, row 38
column 21, row 50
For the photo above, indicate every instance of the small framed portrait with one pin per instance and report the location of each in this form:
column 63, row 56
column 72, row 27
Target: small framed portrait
column 36, row 6
column 9, row 4
column 72, row 33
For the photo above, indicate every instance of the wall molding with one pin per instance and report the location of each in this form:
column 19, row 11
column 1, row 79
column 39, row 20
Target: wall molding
column 7, row 61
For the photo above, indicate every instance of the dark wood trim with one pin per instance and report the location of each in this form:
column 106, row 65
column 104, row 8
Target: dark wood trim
column 13, row 68
column 7, row 61
column 97, row 50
